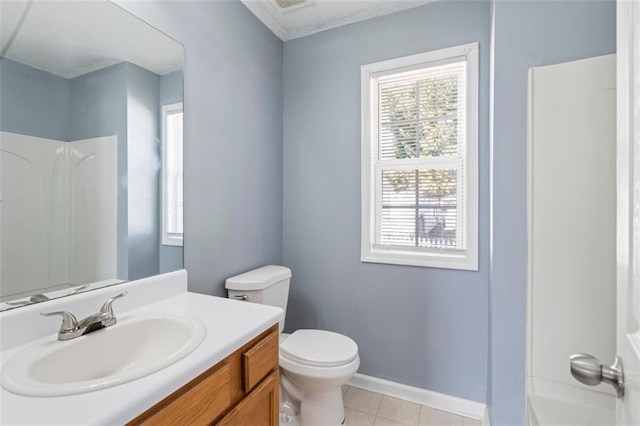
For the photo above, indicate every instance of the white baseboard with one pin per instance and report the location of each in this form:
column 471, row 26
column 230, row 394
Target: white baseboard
column 439, row 401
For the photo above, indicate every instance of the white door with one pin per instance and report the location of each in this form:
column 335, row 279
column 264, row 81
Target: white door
column 628, row 207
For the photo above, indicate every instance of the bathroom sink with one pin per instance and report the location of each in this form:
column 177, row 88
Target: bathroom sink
column 135, row 347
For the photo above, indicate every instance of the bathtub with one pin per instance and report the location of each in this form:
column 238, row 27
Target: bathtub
column 547, row 411
column 567, row 405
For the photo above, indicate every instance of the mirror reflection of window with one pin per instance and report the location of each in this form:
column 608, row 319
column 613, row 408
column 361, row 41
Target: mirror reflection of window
column 172, row 175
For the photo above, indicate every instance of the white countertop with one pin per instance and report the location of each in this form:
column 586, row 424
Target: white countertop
column 230, row 324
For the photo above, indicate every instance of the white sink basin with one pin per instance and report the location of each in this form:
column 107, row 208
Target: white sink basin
column 133, row 348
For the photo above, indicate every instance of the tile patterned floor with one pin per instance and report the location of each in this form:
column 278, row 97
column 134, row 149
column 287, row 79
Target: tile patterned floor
column 364, row 408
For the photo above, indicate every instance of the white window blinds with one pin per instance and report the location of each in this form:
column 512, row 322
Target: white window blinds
column 417, row 133
column 172, row 175
column 419, row 166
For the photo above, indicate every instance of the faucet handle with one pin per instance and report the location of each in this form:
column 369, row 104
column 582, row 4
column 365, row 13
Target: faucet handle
column 69, row 322
column 106, row 308
column 78, row 289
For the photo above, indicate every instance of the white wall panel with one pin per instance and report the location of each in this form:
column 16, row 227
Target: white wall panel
column 572, row 216
column 32, row 173
column 93, row 180
column 58, row 212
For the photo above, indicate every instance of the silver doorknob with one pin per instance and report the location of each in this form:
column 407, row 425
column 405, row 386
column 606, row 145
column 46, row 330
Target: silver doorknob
column 587, row 369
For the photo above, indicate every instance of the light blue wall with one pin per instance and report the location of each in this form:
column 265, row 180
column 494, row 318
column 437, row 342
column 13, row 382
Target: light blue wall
column 99, row 108
column 33, row 102
column 527, row 34
column 143, row 171
column 423, row 327
column 124, row 100
column 171, row 88
column 171, row 92
column 233, row 136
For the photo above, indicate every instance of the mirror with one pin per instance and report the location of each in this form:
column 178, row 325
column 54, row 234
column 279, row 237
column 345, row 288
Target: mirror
column 90, row 149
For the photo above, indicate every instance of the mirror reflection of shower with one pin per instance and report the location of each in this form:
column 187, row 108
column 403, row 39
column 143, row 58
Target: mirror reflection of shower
column 59, row 215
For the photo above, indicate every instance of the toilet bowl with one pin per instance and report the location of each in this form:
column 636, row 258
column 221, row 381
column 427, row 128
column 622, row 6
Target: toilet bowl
column 314, row 364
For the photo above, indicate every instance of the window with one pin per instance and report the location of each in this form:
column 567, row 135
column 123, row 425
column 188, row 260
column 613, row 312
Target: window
column 172, row 174
column 420, row 160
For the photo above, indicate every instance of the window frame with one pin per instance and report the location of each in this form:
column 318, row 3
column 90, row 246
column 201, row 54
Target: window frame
column 167, row 238
column 374, row 253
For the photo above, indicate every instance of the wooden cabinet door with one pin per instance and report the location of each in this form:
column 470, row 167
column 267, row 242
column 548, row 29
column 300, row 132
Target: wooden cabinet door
column 259, row 408
column 198, row 403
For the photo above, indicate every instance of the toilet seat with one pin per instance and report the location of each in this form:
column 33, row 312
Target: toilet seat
column 319, row 348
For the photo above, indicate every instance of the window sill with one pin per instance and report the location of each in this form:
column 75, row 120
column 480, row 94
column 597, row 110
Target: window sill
column 426, row 260
column 172, row 242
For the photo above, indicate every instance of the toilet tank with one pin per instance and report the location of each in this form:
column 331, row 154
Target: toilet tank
column 268, row 285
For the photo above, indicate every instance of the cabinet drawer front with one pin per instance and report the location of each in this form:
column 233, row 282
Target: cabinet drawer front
column 199, row 405
column 260, row 360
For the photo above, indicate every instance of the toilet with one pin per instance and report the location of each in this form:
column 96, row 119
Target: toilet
column 314, row 364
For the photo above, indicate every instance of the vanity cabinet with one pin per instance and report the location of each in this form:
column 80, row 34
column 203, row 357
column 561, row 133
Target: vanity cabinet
column 242, row 389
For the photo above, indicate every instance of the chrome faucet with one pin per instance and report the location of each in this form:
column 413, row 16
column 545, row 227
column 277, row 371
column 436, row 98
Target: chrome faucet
column 43, row 297
column 71, row 328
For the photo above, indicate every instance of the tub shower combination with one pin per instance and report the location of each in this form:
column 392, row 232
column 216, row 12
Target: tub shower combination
column 572, row 247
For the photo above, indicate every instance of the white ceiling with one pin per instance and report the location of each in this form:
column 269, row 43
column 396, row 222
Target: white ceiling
column 72, row 38
column 314, row 16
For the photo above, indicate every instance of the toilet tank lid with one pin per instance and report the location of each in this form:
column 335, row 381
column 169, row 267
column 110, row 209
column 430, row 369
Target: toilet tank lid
column 258, row 279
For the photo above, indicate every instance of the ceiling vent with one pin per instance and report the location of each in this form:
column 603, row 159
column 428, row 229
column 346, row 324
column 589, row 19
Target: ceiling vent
column 289, row 5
